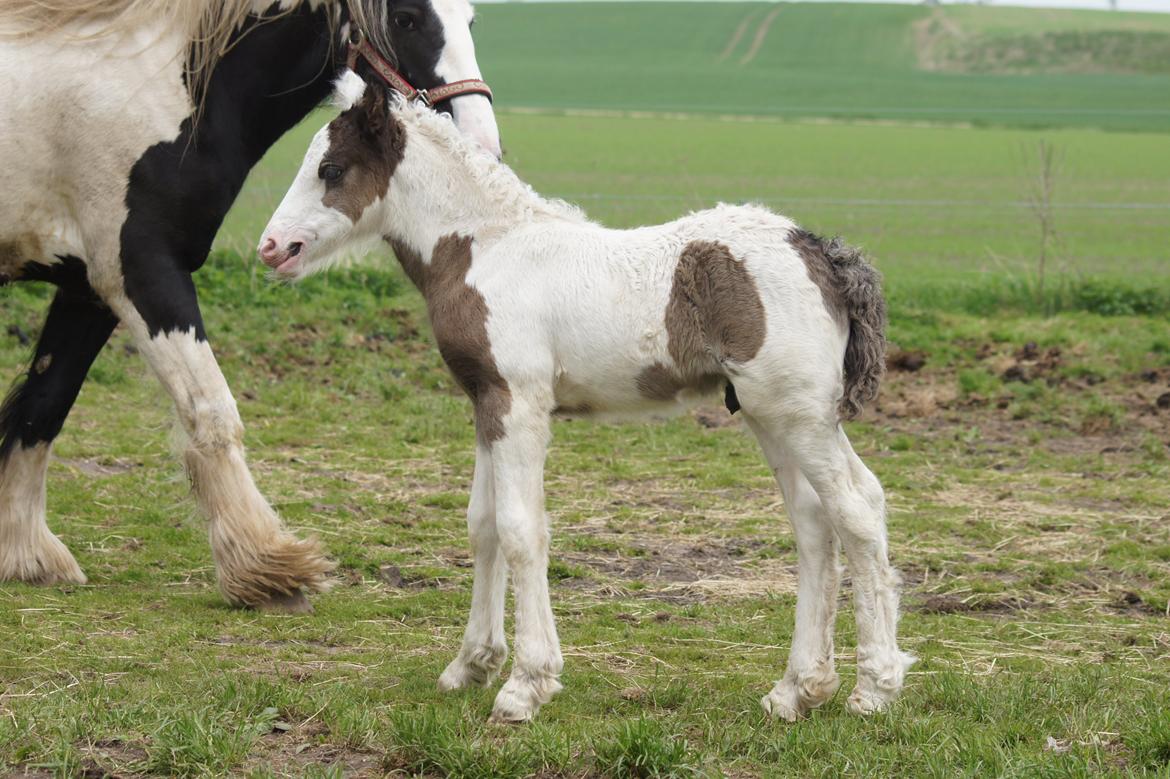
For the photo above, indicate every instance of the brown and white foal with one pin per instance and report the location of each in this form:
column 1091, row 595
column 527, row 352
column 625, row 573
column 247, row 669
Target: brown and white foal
column 538, row 311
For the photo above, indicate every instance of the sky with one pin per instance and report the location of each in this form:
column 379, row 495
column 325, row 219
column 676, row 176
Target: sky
column 1161, row 6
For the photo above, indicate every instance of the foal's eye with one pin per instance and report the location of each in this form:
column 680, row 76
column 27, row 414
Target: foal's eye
column 330, row 173
column 404, row 21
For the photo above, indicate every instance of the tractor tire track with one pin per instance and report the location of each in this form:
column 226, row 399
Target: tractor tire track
column 761, row 34
column 737, row 36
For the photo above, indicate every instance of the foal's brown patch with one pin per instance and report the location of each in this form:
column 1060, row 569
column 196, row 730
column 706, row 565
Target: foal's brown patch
column 459, row 318
column 367, row 142
column 714, row 314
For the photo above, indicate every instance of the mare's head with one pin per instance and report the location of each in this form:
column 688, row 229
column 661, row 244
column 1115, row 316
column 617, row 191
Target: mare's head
column 431, row 45
column 338, row 199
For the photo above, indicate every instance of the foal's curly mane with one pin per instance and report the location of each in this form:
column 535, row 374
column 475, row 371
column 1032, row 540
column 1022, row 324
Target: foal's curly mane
column 210, row 26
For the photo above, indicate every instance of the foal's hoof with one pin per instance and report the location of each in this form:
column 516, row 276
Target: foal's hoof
column 295, row 603
column 513, row 709
column 519, row 701
column 865, row 702
column 781, row 704
column 792, row 699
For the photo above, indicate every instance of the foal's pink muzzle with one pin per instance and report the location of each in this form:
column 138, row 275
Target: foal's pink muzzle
column 280, row 253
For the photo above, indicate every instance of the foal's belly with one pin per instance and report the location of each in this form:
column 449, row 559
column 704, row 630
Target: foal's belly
column 617, row 389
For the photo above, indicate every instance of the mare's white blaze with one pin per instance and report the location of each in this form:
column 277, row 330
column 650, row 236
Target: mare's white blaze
column 473, row 113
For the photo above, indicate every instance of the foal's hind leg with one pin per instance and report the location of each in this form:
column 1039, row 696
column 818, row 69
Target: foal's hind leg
column 77, row 327
column 810, row 678
column 484, row 646
column 855, row 505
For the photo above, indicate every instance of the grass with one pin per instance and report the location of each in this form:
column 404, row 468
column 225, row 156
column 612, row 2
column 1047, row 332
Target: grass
column 943, row 210
column 1027, row 462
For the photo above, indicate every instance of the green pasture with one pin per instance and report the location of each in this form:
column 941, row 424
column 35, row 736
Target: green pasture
column 1027, row 461
column 905, row 63
column 941, row 209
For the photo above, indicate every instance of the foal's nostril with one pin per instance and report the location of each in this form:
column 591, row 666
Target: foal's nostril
column 268, row 247
column 295, row 248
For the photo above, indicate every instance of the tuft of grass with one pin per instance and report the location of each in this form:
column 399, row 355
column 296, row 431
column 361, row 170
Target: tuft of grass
column 429, row 742
column 641, row 749
column 204, row 741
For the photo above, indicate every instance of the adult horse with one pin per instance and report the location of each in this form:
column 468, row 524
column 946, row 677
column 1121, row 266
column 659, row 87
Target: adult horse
column 127, row 128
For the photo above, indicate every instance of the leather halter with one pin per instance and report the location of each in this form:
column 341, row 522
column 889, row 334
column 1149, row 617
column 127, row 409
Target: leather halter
column 360, row 48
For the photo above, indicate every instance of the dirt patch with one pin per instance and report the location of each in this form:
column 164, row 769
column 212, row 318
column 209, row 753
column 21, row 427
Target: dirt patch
column 1104, row 414
column 112, row 759
column 905, row 360
column 290, row 752
column 668, row 562
column 953, row 604
column 99, row 468
column 714, row 417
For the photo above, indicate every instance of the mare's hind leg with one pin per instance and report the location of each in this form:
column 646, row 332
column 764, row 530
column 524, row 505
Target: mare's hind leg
column 484, row 645
column 258, row 563
column 77, row 327
column 810, row 678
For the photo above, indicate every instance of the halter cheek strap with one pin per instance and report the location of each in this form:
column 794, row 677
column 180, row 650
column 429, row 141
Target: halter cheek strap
column 360, row 48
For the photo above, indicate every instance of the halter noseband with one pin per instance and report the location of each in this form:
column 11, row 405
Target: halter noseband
column 360, row 48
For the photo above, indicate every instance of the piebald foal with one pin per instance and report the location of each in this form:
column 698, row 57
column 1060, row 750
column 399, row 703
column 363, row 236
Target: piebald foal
column 537, row 311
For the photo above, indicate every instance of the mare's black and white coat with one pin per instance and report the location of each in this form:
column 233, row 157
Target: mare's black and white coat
column 114, row 192
column 535, row 310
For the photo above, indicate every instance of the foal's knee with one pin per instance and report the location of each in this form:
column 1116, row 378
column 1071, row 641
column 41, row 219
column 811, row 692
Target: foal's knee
column 524, row 540
column 481, row 528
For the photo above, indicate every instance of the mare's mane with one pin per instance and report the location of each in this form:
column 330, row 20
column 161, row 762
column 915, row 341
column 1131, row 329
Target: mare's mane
column 209, row 26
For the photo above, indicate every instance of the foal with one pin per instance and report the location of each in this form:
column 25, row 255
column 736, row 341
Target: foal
column 538, row 311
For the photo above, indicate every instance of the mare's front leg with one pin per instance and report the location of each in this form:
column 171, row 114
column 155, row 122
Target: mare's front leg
column 258, row 563
column 518, row 470
column 484, row 646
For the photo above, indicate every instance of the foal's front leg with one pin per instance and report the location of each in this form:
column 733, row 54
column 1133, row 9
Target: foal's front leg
column 484, row 646
column 518, row 470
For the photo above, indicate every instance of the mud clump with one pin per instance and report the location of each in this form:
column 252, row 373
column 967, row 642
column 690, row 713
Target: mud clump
column 905, row 360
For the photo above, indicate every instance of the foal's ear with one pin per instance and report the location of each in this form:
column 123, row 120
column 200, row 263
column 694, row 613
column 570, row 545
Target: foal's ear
column 373, row 111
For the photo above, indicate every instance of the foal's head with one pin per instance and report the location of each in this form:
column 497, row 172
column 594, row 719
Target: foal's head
column 338, row 199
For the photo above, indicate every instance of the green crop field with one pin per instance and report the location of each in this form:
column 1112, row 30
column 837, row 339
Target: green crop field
column 1023, row 436
column 840, row 60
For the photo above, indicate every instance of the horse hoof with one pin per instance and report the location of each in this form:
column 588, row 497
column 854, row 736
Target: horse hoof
column 780, row 709
column 863, row 703
column 294, row 603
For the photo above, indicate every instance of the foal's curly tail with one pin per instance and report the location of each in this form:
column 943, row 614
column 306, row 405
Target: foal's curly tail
column 851, row 285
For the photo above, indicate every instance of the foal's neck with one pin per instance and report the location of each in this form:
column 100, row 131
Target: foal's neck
column 446, row 186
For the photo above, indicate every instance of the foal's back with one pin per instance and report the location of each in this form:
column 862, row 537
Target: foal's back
column 625, row 320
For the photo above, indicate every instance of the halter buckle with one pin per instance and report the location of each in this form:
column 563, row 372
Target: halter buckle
column 422, row 96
